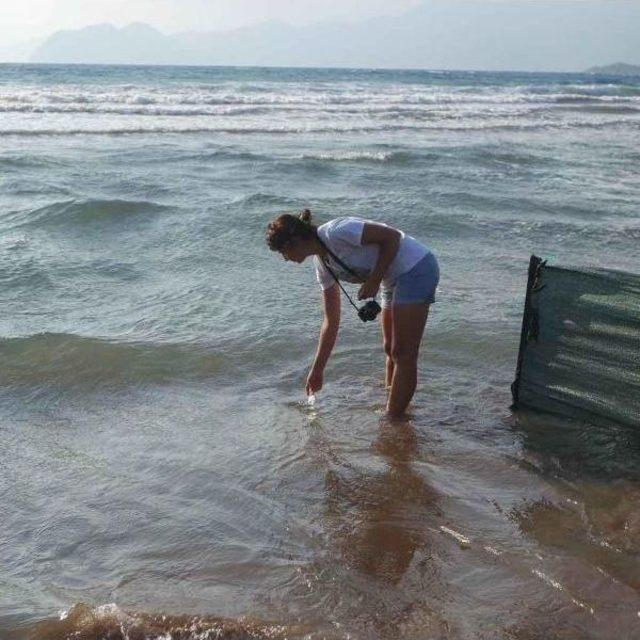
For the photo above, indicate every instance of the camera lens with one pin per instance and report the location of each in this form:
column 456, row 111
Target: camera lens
column 369, row 311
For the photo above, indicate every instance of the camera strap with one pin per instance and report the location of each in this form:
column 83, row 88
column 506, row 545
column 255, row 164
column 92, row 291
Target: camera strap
column 346, row 267
column 335, row 277
column 330, row 270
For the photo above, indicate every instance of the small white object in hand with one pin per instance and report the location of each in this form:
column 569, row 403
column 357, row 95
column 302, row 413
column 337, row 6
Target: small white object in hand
column 311, row 400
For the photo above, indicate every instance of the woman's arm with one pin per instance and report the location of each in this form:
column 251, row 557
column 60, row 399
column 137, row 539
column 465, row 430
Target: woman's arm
column 328, row 335
column 388, row 240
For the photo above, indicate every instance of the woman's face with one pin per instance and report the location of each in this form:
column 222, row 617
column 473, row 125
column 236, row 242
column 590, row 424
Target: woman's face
column 295, row 252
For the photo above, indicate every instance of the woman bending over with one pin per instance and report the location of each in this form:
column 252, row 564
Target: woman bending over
column 378, row 257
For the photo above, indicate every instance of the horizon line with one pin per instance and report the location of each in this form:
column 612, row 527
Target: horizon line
column 309, row 67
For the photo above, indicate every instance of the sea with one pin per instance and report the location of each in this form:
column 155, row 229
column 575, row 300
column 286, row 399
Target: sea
column 162, row 475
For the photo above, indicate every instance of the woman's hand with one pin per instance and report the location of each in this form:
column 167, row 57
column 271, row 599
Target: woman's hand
column 314, row 381
column 369, row 289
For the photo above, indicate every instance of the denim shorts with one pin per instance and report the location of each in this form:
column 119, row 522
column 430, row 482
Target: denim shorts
column 415, row 286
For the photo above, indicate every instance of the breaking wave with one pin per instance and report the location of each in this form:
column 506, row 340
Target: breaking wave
column 488, row 126
column 358, row 156
column 108, row 621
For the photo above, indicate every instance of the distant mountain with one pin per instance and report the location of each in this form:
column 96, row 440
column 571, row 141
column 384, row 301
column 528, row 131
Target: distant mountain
column 617, row 69
column 104, row 43
column 561, row 35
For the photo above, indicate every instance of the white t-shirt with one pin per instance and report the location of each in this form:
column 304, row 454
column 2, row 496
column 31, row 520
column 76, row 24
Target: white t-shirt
column 344, row 237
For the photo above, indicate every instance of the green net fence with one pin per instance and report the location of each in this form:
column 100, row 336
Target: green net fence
column 580, row 345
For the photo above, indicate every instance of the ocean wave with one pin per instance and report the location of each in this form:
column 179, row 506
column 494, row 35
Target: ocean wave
column 23, row 161
column 357, row 156
column 9, row 242
column 80, row 213
column 596, row 90
column 266, row 199
column 304, row 97
column 494, row 156
column 463, row 125
column 73, row 361
column 560, row 221
column 28, row 275
column 240, row 130
column 133, row 111
column 110, row 621
column 607, row 109
column 225, row 154
column 305, row 109
column 604, row 233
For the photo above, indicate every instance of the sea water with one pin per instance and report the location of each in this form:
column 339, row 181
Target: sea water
column 161, row 472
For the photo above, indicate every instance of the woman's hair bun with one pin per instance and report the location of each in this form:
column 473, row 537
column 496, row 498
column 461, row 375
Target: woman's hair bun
column 305, row 215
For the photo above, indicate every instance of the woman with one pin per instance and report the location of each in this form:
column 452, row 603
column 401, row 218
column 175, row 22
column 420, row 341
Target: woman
column 376, row 256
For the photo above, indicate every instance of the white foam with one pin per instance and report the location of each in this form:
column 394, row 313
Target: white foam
column 492, row 551
column 462, row 539
column 378, row 156
column 550, row 581
column 299, row 108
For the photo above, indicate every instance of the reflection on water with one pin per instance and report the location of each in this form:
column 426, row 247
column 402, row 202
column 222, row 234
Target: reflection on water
column 577, row 449
column 388, row 513
column 597, row 470
column 601, row 527
column 379, row 516
column 595, row 518
column 400, row 530
column 588, row 524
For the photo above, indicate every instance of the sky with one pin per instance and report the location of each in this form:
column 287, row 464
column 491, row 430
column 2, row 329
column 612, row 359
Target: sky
column 488, row 34
column 24, row 20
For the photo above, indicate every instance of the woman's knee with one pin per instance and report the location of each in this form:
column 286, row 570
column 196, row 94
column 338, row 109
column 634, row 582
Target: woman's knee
column 402, row 355
column 387, row 345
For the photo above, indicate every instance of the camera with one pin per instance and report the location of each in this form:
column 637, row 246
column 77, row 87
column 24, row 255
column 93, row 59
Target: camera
column 369, row 311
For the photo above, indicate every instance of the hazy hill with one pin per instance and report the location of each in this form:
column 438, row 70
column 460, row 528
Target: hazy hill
column 137, row 43
column 617, row 69
column 441, row 34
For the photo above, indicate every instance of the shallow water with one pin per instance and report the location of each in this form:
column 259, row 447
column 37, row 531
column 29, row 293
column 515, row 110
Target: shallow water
column 163, row 472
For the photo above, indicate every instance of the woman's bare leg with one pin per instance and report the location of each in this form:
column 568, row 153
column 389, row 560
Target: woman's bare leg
column 387, row 343
column 408, row 325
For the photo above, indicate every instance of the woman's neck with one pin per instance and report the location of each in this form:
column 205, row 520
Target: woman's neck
column 318, row 248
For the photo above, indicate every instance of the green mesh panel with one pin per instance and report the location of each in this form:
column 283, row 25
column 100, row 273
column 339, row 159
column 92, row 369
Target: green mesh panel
column 580, row 344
